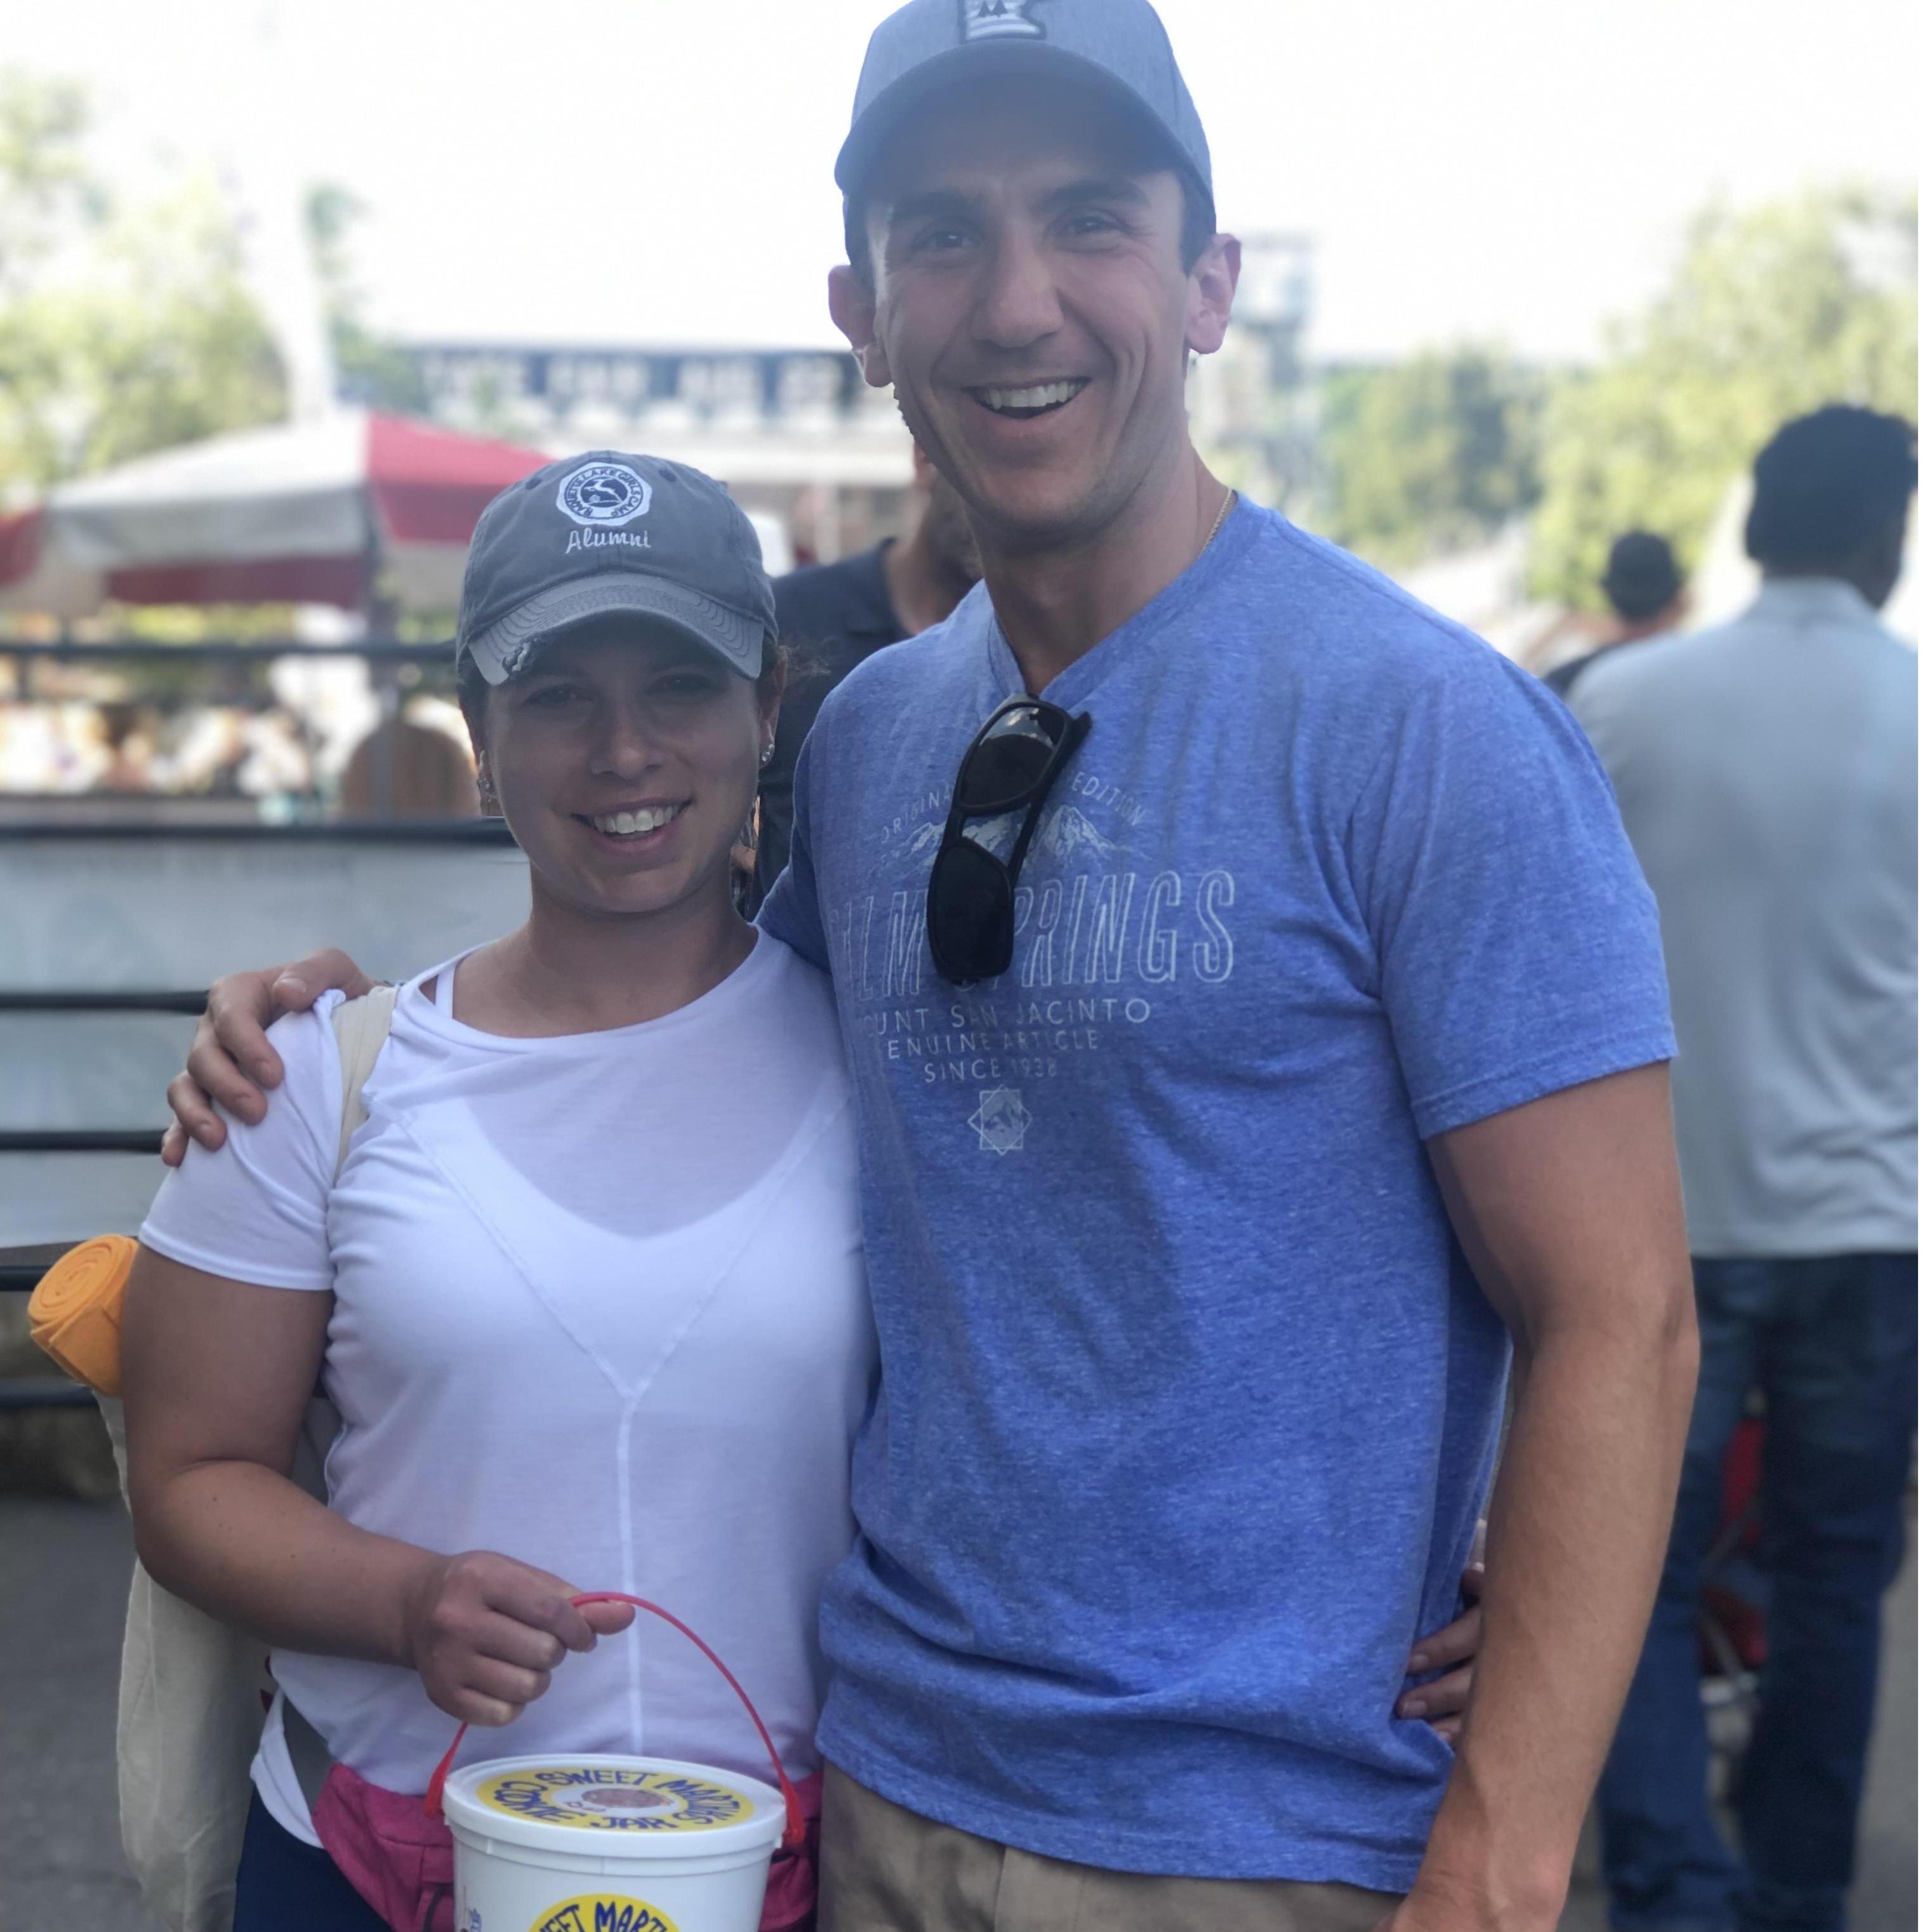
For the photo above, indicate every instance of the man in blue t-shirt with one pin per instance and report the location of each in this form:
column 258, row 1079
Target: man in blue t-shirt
column 1253, row 1029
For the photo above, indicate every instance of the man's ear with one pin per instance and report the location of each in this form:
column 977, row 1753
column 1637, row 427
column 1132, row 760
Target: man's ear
column 855, row 309
column 1211, row 287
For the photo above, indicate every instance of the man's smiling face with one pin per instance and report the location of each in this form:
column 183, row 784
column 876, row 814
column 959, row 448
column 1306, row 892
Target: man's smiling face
column 1029, row 304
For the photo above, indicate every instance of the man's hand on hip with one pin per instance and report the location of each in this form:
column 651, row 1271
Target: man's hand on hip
column 231, row 1061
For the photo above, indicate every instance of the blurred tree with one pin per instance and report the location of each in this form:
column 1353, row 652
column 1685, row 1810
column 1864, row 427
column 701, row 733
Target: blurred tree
column 1428, row 454
column 1772, row 312
column 122, row 331
column 46, row 189
column 369, row 369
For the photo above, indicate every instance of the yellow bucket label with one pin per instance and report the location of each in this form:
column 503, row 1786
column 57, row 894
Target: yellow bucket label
column 599, row 1911
column 609, row 1797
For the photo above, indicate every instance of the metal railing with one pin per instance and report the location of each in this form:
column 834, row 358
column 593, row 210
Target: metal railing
column 21, row 1268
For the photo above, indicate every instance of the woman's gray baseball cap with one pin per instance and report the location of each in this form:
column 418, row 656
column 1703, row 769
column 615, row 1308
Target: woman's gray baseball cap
column 606, row 534
column 1118, row 45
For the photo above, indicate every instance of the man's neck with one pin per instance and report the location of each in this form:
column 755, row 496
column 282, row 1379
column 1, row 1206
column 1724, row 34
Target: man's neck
column 1633, row 631
column 922, row 589
column 1054, row 606
column 1854, row 578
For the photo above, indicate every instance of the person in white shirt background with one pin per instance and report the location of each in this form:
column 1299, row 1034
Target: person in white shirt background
column 1767, row 771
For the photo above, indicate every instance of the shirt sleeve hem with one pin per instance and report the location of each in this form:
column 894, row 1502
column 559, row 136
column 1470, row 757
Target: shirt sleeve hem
column 1475, row 1100
column 252, row 1272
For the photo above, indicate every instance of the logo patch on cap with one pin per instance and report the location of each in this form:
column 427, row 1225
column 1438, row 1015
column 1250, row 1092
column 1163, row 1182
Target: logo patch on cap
column 1000, row 20
column 599, row 495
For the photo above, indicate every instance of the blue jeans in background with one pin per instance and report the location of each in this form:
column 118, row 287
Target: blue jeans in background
column 1832, row 1341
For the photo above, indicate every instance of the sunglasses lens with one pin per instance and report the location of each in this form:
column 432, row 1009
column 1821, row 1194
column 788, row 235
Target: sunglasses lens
column 969, row 914
column 1002, row 769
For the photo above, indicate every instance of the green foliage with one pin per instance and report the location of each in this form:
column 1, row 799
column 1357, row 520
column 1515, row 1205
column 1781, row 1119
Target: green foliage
column 1772, row 312
column 122, row 331
column 369, row 369
column 1429, row 454
column 45, row 186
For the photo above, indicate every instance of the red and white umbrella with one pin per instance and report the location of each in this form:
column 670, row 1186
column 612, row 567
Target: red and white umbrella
column 305, row 513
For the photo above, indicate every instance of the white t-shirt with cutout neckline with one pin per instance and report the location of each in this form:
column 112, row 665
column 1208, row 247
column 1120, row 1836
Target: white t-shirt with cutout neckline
column 600, row 1305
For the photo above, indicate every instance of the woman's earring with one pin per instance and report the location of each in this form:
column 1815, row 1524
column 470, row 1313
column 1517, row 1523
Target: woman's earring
column 486, row 792
column 766, row 756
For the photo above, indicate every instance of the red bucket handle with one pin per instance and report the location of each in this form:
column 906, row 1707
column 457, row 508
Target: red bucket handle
column 794, row 1827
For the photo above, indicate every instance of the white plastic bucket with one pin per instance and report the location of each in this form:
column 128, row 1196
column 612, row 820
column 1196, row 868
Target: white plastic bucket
column 553, row 1844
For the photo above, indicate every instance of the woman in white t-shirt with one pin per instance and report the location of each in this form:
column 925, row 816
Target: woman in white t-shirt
column 587, row 1289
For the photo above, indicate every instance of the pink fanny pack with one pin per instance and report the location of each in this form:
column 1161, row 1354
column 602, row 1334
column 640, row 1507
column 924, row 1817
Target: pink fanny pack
column 397, row 1852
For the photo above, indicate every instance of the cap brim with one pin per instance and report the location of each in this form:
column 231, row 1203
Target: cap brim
column 918, row 85
column 505, row 647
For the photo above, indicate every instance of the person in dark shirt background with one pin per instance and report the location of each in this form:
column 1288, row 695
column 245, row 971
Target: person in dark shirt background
column 1645, row 589
column 832, row 616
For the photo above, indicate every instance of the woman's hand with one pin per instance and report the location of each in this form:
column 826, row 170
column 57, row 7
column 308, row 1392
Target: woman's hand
column 1451, row 1650
column 484, row 1632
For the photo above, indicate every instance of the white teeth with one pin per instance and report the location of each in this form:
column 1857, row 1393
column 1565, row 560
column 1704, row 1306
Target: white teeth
column 1040, row 396
column 628, row 824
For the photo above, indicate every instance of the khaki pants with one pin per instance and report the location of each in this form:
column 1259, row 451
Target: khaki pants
column 887, row 1869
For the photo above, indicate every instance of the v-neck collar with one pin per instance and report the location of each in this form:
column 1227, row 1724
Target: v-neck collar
column 1236, row 538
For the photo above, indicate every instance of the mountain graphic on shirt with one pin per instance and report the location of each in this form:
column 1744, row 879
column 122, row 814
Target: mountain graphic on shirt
column 1066, row 832
column 924, row 842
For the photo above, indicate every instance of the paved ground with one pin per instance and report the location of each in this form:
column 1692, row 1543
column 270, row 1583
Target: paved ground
column 63, row 1583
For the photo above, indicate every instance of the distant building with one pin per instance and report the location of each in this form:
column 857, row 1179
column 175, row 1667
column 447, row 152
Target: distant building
column 798, row 436
column 794, row 432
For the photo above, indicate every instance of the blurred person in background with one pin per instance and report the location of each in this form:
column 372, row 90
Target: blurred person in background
column 129, row 732
column 1645, row 589
column 406, row 770
column 833, row 616
column 1767, row 771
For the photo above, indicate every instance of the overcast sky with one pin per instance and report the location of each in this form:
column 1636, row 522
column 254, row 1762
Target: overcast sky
column 659, row 170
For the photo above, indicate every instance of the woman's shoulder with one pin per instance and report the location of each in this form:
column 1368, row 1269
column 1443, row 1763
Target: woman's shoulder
column 305, row 1043
column 793, row 977
column 801, row 995
column 254, row 1209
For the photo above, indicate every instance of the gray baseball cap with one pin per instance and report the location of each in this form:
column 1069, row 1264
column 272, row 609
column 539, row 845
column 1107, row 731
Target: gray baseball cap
column 606, row 532
column 1119, row 45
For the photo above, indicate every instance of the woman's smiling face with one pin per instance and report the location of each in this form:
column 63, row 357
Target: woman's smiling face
column 625, row 762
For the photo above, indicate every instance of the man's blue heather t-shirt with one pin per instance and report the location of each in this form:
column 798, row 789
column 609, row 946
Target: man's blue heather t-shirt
column 1188, row 1398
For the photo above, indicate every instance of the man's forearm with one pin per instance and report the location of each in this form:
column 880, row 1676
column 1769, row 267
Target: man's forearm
column 1577, row 1531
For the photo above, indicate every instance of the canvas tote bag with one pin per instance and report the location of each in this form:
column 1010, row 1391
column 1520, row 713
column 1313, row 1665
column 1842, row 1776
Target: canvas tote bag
column 193, row 1691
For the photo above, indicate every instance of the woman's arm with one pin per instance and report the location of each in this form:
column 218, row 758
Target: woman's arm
column 1453, row 1650
column 217, row 1375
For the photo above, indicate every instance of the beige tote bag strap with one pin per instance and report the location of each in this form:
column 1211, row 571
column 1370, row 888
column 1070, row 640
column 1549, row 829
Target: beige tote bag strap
column 361, row 1026
column 191, row 1704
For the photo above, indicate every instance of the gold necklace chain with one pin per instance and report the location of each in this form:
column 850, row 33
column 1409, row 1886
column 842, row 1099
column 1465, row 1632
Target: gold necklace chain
column 1227, row 504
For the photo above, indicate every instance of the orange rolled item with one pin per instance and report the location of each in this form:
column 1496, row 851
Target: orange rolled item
column 75, row 1312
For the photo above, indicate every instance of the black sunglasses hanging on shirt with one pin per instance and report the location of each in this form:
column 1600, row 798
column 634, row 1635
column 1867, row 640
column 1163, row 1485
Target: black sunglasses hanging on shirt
column 1010, row 766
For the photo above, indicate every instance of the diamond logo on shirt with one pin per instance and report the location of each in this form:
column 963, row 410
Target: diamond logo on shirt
column 1000, row 20
column 1001, row 1120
